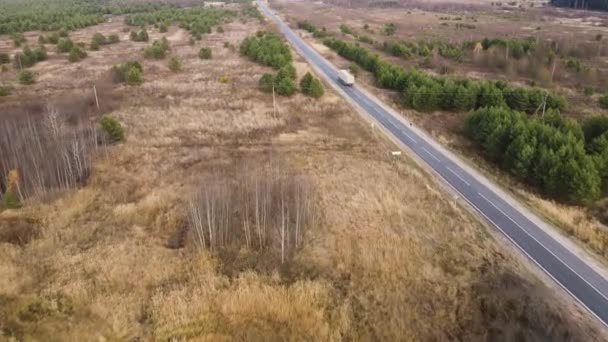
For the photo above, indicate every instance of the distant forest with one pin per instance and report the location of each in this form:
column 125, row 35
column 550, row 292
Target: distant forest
column 601, row 5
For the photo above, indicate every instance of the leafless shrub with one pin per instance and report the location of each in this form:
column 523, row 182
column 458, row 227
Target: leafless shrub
column 18, row 231
column 47, row 152
column 264, row 209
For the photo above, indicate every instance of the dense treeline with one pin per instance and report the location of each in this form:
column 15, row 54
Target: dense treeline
column 197, row 20
column 52, row 15
column 601, row 5
column 517, row 47
column 427, row 93
column 550, row 152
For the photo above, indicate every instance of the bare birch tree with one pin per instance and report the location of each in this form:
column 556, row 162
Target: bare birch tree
column 264, row 209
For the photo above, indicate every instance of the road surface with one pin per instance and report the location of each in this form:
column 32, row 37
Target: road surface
column 572, row 273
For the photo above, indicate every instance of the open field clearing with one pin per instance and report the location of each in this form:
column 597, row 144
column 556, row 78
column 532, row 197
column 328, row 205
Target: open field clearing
column 384, row 253
column 581, row 222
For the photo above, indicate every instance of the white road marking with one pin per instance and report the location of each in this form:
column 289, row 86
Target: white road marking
column 540, row 243
column 457, row 175
column 409, row 136
column 430, row 154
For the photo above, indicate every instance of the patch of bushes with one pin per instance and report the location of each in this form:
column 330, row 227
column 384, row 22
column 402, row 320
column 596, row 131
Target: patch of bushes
column 113, row 128
column 113, row 38
column 224, row 79
column 603, row 101
column 5, row 58
column 158, row 50
column 26, row 77
column 52, row 38
column 141, row 36
column 99, row 39
column 253, row 12
column 427, row 92
column 175, row 64
column 423, row 49
column 518, row 47
column 283, row 83
column 205, row 53
column 575, row 65
column 76, row 54
column 65, row 45
column 465, row 26
column 28, row 57
column 366, row 39
column 288, row 71
column 285, row 86
column 9, row 200
column 266, row 82
column 389, row 29
column 5, row 91
column 354, row 69
column 346, row 30
column 129, row 73
column 311, row 86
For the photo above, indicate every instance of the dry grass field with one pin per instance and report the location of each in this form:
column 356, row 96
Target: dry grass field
column 392, row 257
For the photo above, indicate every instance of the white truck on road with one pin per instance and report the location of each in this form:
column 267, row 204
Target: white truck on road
column 346, row 78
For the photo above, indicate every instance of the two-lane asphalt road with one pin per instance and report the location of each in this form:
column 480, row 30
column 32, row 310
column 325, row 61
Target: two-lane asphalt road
column 572, row 273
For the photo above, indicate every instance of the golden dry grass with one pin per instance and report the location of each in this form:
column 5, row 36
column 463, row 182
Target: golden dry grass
column 394, row 258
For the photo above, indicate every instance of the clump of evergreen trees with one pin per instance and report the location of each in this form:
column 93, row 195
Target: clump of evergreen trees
column 311, row 86
column 269, row 49
column 266, row 48
column 129, row 73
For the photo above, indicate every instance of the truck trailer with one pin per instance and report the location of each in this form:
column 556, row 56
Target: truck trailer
column 346, row 78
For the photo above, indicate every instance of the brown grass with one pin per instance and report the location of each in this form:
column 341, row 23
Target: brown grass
column 393, row 258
